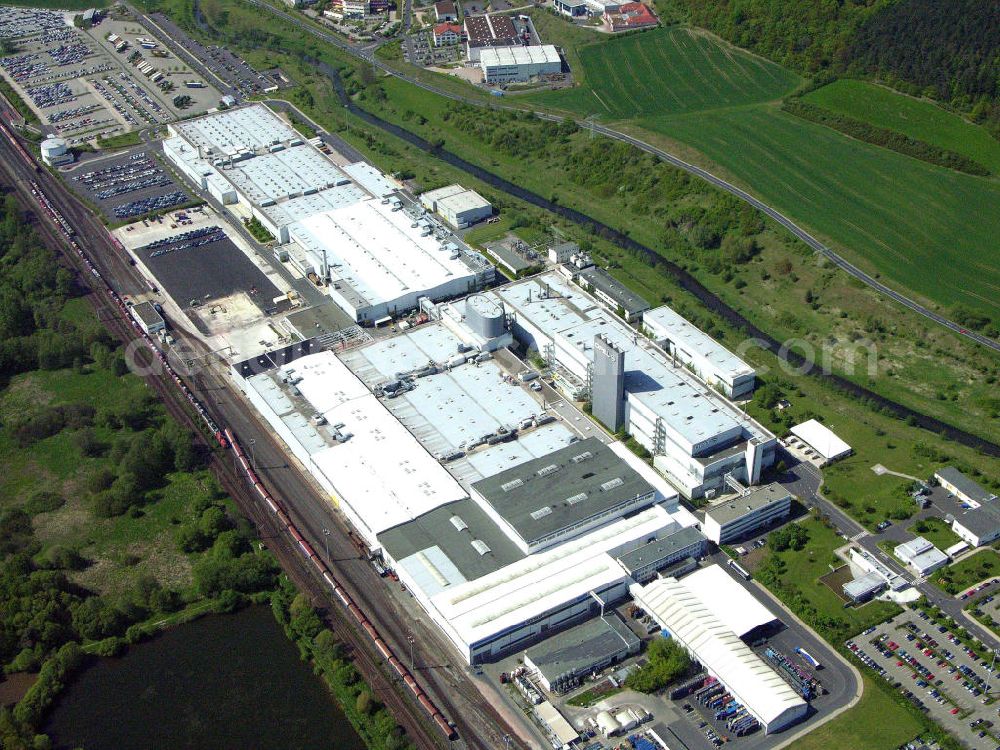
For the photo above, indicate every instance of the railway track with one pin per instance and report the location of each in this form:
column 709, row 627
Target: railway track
column 478, row 723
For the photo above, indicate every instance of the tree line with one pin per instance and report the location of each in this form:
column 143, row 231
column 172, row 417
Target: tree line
column 946, row 50
column 126, row 449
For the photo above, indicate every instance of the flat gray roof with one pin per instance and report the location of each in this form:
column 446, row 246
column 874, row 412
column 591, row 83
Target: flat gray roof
column 508, row 257
column 545, row 495
column 730, row 510
column 147, row 313
column 615, row 289
column 966, row 486
column 867, row 584
column 981, row 521
column 661, row 549
column 579, row 648
column 437, row 528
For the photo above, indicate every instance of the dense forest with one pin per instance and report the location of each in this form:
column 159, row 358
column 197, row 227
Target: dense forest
column 947, row 49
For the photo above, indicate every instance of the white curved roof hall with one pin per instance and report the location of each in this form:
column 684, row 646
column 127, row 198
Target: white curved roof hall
column 682, row 613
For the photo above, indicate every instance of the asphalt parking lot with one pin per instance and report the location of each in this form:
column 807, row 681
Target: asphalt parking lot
column 937, row 674
column 128, row 184
column 205, row 267
column 242, row 79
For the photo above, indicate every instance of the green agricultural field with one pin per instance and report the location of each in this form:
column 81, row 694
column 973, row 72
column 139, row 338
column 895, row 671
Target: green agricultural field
column 928, row 228
column 916, row 118
column 668, row 71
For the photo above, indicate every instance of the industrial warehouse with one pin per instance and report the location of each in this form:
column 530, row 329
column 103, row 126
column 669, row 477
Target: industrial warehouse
column 481, row 483
column 345, row 226
column 696, row 436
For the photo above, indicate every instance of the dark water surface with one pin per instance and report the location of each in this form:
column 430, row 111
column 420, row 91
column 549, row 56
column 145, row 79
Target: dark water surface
column 228, row 681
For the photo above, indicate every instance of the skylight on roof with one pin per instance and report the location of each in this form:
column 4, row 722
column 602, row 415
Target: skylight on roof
column 539, row 514
column 579, row 497
column 458, row 523
column 547, row 470
column 480, row 546
column 582, row 457
column 612, row 484
column 513, row 484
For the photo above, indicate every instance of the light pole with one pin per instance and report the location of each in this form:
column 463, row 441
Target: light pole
column 253, row 455
column 326, row 542
column 409, row 638
column 990, row 675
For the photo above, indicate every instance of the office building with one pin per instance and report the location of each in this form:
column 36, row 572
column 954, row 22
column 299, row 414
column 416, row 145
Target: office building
column 747, row 513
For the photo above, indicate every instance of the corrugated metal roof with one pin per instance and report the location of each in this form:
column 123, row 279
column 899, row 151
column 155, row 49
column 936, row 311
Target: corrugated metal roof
column 683, row 613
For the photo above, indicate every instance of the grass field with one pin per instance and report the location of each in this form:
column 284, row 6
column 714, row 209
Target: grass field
column 927, row 228
column 668, row 71
column 916, row 118
column 935, row 531
column 876, row 723
column 973, row 569
column 802, row 572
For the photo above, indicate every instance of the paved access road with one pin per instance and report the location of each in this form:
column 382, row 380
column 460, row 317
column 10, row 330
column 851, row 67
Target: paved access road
column 804, row 481
column 368, row 55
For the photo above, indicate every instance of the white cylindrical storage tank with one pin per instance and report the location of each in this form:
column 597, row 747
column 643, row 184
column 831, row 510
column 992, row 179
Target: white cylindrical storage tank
column 485, row 316
column 53, row 148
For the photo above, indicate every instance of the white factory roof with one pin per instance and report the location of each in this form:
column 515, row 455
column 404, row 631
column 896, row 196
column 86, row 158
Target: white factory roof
column 378, row 252
column 559, row 309
column 538, row 583
column 733, row 605
column 371, row 179
column 822, row 439
column 466, row 200
column 233, row 131
column 381, row 472
column 519, row 55
column 664, row 320
column 684, row 613
column 453, row 406
column 429, row 197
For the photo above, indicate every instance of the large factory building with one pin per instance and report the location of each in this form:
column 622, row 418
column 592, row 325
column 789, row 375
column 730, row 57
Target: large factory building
column 502, row 523
column 696, row 435
column 351, row 228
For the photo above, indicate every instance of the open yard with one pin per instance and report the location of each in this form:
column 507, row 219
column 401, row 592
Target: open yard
column 927, row 228
column 935, row 531
column 980, row 566
column 668, row 71
column 916, row 118
column 794, row 577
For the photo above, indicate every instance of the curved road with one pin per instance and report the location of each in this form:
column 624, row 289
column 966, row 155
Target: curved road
column 367, row 54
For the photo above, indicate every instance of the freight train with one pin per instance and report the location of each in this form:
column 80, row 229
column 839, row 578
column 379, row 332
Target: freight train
column 21, row 151
column 226, row 439
column 345, row 598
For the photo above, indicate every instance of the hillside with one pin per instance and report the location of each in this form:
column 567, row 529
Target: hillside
column 949, row 50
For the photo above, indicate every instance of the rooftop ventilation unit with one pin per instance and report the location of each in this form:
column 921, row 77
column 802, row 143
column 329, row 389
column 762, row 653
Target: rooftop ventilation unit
column 612, row 484
column 582, row 457
column 513, row 484
column 480, row 546
column 458, row 523
column 547, row 470
column 539, row 514
column 576, row 498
